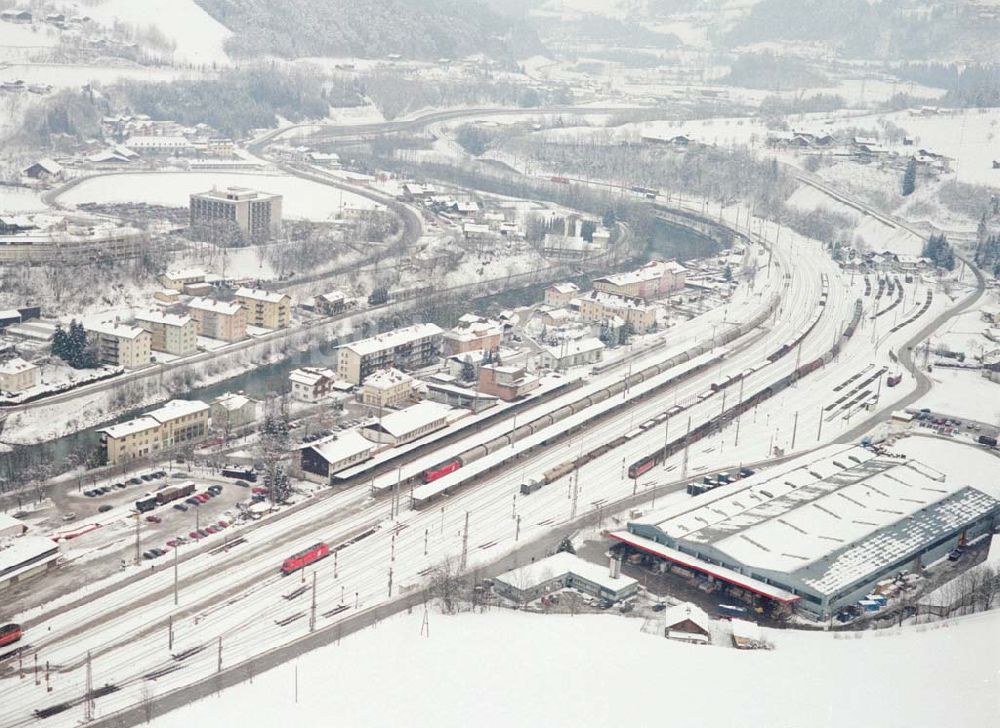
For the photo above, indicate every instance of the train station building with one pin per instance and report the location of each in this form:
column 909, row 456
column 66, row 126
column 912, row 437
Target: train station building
column 818, row 533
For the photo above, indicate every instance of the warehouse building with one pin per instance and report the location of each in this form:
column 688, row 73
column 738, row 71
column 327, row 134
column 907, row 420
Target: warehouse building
column 817, row 533
column 564, row 571
column 24, row 557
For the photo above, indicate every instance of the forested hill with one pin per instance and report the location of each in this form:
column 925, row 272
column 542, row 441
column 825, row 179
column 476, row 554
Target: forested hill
column 424, row 29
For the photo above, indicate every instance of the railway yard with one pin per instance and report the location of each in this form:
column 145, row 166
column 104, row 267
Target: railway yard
column 798, row 358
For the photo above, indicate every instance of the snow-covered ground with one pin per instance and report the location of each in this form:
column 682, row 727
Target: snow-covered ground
column 963, row 393
column 61, row 75
column 20, row 199
column 197, row 36
column 501, row 669
column 302, row 199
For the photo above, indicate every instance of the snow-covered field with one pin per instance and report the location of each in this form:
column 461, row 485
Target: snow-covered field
column 302, row 199
column 61, row 75
column 963, row 394
column 503, row 669
column 20, row 199
column 198, row 37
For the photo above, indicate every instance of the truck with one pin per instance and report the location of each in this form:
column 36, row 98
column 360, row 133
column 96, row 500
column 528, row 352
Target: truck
column 146, row 504
column 531, row 485
column 987, row 440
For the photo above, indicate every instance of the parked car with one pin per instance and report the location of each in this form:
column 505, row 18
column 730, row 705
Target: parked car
column 195, row 535
column 91, row 493
column 105, row 489
column 212, row 529
column 180, row 507
column 105, row 508
column 154, row 519
column 222, row 524
column 146, row 477
column 135, row 481
column 69, row 517
column 242, row 484
column 192, row 501
column 118, row 486
column 216, row 489
column 956, row 554
column 148, row 555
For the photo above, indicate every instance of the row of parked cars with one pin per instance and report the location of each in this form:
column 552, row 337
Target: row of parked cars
column 138, row 480
column 199, row 498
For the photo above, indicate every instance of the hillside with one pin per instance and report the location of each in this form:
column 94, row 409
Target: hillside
column 423, row 29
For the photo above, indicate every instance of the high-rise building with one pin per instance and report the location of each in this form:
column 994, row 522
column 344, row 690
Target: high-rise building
column 236, row 213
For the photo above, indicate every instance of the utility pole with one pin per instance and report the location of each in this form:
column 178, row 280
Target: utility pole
column 576, row 480
column 138, row 549
column 666, row 440
column 739, row 417
column 795, row 427
column 390, row 582
column 687, row 437
column 170, row 633
column 517, row 531
column 426, row 531
column 220, row 654
column 465, row 543
column 312, row 608
column 175, row 574
column 88, row 699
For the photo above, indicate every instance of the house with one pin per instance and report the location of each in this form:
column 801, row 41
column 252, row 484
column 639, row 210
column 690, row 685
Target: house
column 564, row 571
column 17, row 375
column 686, row 622
column 11, row 527
column 120, row 345
column 16, row 16
column 44, row 169
column 311, row 384
column 176, row 423
column 330, row 304
column 410, row 347
column 170, row 333
column 506, row 381
column 223, row 320
column 386, row 388
column 472, row 333
column 265, row 309
column 991, row 366
column 559, row 294
column 407, row 425
column 321, row 460
column 572, row 352
column 178, row 279
column 232, row 411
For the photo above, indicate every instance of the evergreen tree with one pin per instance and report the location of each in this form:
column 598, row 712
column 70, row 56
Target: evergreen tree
column 910, row 177
column 566, row 545
column 59, row 339
column 608, row 218
column 468, row 369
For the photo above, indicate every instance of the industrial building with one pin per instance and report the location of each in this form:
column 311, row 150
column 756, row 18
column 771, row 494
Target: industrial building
column 24, row 557
column 411, row 347
column 236, row 213
column 817, row 533
column 564, row 571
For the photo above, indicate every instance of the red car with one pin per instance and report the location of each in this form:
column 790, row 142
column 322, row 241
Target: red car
column 222, row 524
column 154, row 519
column 203, row 497
column 259, row 491
column 195, row 535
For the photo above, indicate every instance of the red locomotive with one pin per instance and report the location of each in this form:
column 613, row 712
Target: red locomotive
column 305, row 557
column 9, row 634
column 439, row 471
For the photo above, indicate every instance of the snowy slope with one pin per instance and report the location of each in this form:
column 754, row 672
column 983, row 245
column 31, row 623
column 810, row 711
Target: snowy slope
column 511, row 669
column 199, row 38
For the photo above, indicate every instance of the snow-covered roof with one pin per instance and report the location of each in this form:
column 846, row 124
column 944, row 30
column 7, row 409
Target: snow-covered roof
column 609, row 300
column 49, row 165
column 565, row 287
column 8, row 522
column 575, row 346
column 386, row 378
column 831, row 519
column 686, row 611
column 651, row 271
column 392, row 339
column 227, row 308
column 26, row 552
column 157, row 142
column 311, row 376
column 560, row 564
column 167, row 319
column 343, row 445
column 412, row 418
column 255, row 294
column 177, row 408
column 232, row 401
column 16, row 366
column 132, row 427
column 120, row 331
column 186, row 274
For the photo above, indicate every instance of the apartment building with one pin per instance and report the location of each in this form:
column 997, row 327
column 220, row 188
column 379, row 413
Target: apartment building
column 170, row 333
column 411, row 347
column 254, row 216
column 120, row 345
column 232, row 410
column 176, row 423
column 223, row 320
column 266, row 309
column 654, row 280
column 17, row 375
column 558, row 295
column 473, row 335
column 506, row 381
column 386, row 388
column 598, row 306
